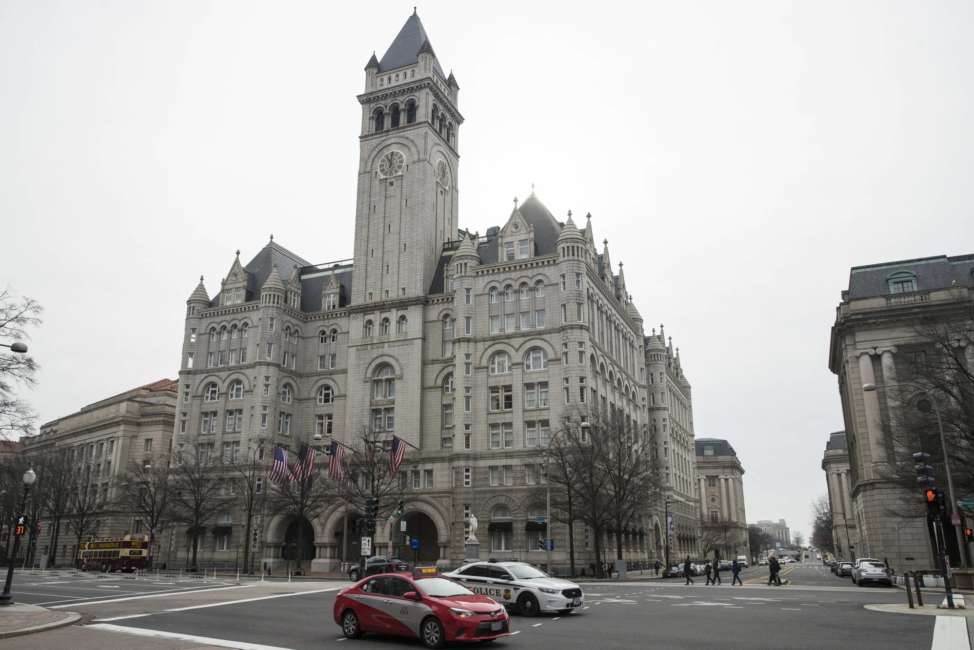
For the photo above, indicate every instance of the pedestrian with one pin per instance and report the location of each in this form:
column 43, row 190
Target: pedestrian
column 717, row 571
column 772, row 570
column 707, row 571
column 736, row 571
column 656, row 567
column 688, row 571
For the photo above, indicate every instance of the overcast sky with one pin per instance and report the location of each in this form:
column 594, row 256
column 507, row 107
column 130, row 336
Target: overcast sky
column 738, row 156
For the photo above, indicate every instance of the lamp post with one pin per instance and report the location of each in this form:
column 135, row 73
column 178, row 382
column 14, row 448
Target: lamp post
column 16, row 346
column 252, row 454
column 955, row 516
column 28, row 479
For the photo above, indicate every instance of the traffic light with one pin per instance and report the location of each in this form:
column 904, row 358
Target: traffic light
column 969, row 535
column 541, row 544
column 924, row 470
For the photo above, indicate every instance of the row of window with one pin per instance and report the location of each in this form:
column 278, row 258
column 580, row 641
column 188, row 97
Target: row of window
column 385, row 326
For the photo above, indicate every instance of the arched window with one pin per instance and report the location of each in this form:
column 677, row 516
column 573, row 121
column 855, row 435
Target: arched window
column 508, row 293
column 902, row 282
column 449, row 132
column 333, row 335
column 243, row 332
column 367, row 330
column 524, row 291
column 287, row 334
column 448, row 384
column 442, row 125
column 236, row 390
column 492, row 295
column 233, row 332
column 500, row 513
column 500, row 527
column 383, row 397
column 535, row 359
column 500, row 363
column 401, row 324
column 211, row 393
column 384, row 327
column 287, row 393
column 410, row 111
column 436, row 114
column 539, row 289
column 326, row 395
column 394, row 115
column 447, row 336
column 380, row 119
column 322, row 337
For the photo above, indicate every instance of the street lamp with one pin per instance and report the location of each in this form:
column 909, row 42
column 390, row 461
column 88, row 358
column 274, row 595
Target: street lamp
column 955, row 517
column 28, row 479
column 16, row 346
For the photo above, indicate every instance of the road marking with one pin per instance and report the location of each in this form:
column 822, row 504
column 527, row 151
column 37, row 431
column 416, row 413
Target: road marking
column 222, row 643
column 149, row 594
column 537, row 625
column 586, row 607
column 950, row 633
column 515, row 632
column 108, row 586
column 619, row 600
column 791, row 609
column 556, row 618
column 247, row 600
column 341, row 638
column 37, row 593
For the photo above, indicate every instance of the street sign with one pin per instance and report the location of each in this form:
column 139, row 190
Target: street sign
column 402, row 526
column 966, row 503
column 366, row 546
column 955, row 519
column 550, row 543
column 414, row 543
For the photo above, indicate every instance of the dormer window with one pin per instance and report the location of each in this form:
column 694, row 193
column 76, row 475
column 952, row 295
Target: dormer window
column 523, row 249
column 902, row 282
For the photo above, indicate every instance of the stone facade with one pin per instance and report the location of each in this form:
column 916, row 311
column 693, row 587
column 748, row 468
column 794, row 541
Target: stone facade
column 106, row 437
column 835, row 463
column 723, row 516
column 778, row 531
column 875, row 337
column 473, row 348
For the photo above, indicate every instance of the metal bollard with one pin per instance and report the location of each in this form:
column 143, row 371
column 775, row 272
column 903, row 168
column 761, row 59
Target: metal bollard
column 909, row 594
column 916, row 585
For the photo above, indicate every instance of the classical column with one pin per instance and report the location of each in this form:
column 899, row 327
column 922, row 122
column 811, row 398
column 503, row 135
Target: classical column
column 724, row 500
column 870, row 400
column 732, row 492
column 835, row 493
column 890, row 383
column 703, row 496
column 846, row 498
column 742, row 511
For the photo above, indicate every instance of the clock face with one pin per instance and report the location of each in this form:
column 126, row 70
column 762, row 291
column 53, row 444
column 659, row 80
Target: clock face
column 443, row 174
column 391, row 164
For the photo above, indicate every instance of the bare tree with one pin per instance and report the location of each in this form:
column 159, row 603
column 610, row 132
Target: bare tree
column 368, row 473
column 144, row 490
column 759, row 541
column 197, row 481
column 17, row 315
column 302, row 500
column 83, row 506
column 799, row 539
column 822, row 525
column 249, row 478
column 55, row 471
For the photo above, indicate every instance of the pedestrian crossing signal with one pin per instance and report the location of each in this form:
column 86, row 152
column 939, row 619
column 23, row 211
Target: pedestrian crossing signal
column 19, row 530
column 930, row 495
column 969, row 534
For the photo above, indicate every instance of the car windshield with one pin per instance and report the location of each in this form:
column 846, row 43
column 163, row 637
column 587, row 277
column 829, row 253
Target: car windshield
column 442, row 588
column 525, row 572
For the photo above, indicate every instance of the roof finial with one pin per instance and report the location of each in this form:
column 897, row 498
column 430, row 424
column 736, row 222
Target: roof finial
column 605, row 242
column 569, row 214
column 238, row 252
column 414, row 10
column 532, row 188
column 515, row 203
column 272, row 236
column 201, row 278
column 588, row 216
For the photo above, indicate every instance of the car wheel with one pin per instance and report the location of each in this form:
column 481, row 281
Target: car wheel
column 353, row 575
column 527, row 604
column 431, row 633
column 350, row 626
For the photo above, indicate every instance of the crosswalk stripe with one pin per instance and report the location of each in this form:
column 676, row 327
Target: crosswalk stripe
column 950, row 633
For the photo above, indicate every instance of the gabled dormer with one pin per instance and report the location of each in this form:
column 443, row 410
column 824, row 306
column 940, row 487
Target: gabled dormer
column 293, row 295
column 234, row 287
column 331, row 293
column 515, row 241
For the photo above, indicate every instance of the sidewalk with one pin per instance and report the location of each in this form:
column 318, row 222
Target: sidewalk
column 21, row 618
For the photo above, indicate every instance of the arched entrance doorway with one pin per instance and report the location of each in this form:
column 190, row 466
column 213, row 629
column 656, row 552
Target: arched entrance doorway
column 420, row 527
column 299, row 542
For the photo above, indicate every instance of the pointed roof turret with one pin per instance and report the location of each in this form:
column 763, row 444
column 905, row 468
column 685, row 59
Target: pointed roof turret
column 199, row 293
column 373, row 63
column 452, row 81
column 407, row 46
column 569, row 230
column 273, row 280
column 589, row 234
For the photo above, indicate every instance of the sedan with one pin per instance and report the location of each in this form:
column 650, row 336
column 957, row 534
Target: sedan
column 844, row 570
column 875, row 572
column 423, row 605
column 377, row 564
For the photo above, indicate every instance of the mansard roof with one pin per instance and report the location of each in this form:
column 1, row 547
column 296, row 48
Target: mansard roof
column 407, row 46
column 939, row 272
column 837, row 442
column 312, row 286
column 546, row 227
column 720, row 447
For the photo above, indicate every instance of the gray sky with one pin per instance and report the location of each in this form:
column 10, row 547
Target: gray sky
column 739, row 157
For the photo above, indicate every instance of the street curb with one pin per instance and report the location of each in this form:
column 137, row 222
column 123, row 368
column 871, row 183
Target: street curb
column 70, row 619
column 926, row 610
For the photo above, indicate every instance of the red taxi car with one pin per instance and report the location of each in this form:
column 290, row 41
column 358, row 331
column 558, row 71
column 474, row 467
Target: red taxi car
column 420, row 605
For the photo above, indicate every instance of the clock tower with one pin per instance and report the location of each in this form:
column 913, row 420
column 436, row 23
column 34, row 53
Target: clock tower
column 407, row 184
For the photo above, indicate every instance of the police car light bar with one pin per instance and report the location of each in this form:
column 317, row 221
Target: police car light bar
column 425, row 571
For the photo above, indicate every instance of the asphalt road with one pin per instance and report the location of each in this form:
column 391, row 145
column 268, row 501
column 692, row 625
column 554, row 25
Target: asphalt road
column 817, row 610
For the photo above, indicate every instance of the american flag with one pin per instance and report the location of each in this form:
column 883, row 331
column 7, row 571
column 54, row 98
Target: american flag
column 396, row 452
column 336, row 455
column 305, row 465
column 279, row 470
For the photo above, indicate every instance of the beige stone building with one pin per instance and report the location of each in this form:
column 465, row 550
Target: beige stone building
column 778, row 531
column 875, row 339
column 835, row 463
column 104, row 439
column 723, row 516
column 472, row 347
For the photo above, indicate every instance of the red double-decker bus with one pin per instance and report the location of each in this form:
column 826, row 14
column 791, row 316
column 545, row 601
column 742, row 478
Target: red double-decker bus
column 127, row 553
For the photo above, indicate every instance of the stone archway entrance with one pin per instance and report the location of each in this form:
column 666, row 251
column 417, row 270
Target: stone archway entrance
column 419, row 526
column 299, row 542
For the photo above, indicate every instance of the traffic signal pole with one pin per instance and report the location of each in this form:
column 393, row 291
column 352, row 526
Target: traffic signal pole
column 936, row 510
column 5, row 598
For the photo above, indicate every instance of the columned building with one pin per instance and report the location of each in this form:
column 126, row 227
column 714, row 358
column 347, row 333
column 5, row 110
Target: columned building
column 835, row 463
column 474, row 348
column 885, row 330
column 723, row 516
column 778, row 531
column 103, row 440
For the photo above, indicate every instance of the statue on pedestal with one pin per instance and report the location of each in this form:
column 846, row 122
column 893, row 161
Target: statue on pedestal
column 472, row 535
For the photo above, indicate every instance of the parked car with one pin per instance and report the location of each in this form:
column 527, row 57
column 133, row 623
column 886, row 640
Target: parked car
column 675, row 571
column 376, row 565
column 833, row 566
column 871, row 572
column 844, row 569
column 763, row 562
column 742, row 561
column 725, row 565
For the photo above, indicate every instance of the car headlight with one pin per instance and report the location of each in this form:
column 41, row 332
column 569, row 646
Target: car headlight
column 463, row 613
column 547, row 590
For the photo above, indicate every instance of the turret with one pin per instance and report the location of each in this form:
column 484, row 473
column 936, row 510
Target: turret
column 272, row 293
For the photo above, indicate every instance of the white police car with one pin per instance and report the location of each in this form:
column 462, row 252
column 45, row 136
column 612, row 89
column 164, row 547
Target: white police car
column 520, row 586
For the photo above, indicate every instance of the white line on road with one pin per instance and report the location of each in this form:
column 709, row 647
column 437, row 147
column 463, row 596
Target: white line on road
column 222, row 643
column 537, row 625
column 791, row 609
column 149, row 594
column 950, row 633
column 515, row 632
column 248, row 600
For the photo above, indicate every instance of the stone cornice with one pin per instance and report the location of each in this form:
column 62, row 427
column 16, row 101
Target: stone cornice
column 517, row 265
